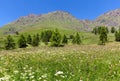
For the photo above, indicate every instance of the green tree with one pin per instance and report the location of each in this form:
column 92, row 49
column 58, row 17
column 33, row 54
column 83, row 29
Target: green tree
column 95, row 31
column 46, row 35
column 56, row 39
column 35, row 41
column 29, row 39
column 117, row 35
column 103, row 35
column 22, row 43
column 113, row 30
column 65, row 40
column 76, row 39
column 107, row 29
column 10, row 43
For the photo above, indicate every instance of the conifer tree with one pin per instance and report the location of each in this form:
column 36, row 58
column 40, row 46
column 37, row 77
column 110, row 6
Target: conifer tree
column 117, row 35
column 35, row 41
column 10, row 43
column 103, row 35
column 29, row 39
column 22, row 42
column 56, row 39
column 45, row 36
column 78, row 40
column 113, row 30
column 73, row 40
column 65, row 40
column 107, row 29
column 95, row 31
column 38, row 37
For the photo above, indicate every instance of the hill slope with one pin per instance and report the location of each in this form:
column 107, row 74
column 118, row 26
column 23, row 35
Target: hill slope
column 57, row 19
column 111, row 18
column 61, row 20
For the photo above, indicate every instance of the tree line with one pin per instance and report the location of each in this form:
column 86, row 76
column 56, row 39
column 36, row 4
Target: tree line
column 49, row 37
column 102, row 31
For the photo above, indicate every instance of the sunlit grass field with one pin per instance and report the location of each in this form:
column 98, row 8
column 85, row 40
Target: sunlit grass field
column 70, row 63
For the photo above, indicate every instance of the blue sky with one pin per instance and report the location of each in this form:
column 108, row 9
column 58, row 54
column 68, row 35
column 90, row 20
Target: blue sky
column 10, row 10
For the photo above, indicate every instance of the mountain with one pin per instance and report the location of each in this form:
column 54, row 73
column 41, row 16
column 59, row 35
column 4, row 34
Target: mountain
column 109, row 19
column 61, row 20
column 57, row 19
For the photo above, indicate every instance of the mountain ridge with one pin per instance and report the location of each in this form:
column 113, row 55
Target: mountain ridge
column 61, row 19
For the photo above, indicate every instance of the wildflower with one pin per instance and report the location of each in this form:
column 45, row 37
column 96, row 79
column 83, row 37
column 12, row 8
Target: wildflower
column 58, row 73
column 16, row 71
column 44, row 76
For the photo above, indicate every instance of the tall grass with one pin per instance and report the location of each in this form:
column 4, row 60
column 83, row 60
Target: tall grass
column 69, row 63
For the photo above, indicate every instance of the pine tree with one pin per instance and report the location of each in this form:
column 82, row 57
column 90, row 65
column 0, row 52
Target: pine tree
column 107, row 29
column 45, row 36
column 10, row 43
column 117, row 35
column 29, row 39
column 78, row 40
column 95, row 31
column 22, row 42
column 35, row 41
column 65, row 40
column 103, row 35
column 38, row 37
column 56, row 39
column 113, row 30
column 73, row 40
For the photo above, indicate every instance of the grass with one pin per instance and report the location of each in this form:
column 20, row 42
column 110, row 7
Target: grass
column 86, row 62
column 69, row 63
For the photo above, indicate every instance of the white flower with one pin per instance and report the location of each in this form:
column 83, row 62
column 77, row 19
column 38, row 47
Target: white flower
column 44, row 76
column 16, row 71
column 58, row 73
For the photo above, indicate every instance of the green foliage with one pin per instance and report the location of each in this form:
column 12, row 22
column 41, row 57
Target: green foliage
column 46, row 35
column 76, row 39
column 56, row 39
column 113, row 30
column 65, row 40
column 103, row 35
column 29, row 39
column 95, row 31
column 117, row 35
column 22, row 43
column 10, row 43
column 35, row 40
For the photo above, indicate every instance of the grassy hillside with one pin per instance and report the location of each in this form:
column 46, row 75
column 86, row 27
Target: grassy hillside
column 69, row 63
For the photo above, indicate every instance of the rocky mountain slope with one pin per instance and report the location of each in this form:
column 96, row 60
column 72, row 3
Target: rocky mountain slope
column 111, row 18
column 61, row 20
column 57, row 19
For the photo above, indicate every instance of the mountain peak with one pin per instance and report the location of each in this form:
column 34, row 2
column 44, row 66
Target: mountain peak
column 115, row 12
